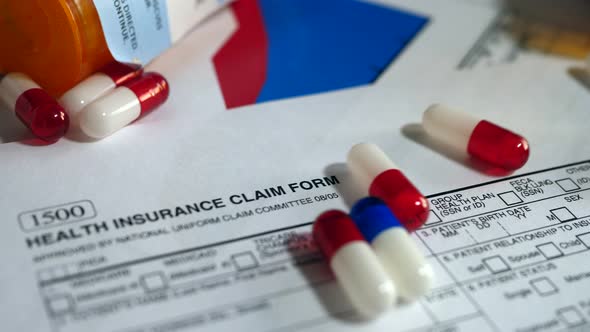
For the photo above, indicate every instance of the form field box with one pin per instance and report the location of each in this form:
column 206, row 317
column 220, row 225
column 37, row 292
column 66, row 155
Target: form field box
column 550, row 250
column 563, row 214
column 60, row 304
column 154, row 281
column 496, row 264
column 244, row 260
column 567, row 184
column 433, row 218
column 510, row 198
column 571, row 316
column 585, row 238
column 544, row 286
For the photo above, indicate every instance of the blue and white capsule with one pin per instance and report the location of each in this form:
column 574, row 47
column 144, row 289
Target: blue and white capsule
column 398, row 253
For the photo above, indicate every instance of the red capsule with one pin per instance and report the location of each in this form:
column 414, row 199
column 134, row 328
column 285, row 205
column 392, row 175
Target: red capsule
column 334, row 229
column 44, row 117
column 121, row 73
column 381, row 178
column 124, row 105
column 498, row 146
column 356, row 267
column 97, row 85
column 402, row 197
column 479, row 138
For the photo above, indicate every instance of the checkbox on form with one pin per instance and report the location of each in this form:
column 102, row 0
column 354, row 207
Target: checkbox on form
column 510, row 198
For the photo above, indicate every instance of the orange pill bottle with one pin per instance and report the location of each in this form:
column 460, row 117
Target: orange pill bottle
column 56, row 42
column 60, row 42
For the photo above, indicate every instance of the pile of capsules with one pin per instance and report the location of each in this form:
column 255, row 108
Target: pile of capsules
column 99, row 105
column 370, row 250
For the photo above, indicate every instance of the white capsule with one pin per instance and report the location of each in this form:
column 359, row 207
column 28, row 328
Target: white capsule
column 98, row 85
column 86, row 92
column 107, row 115
column 393, row 245
column 404, row 262
column 13, row 85
column 357, row 269
column 368, row 286
column 123, row 105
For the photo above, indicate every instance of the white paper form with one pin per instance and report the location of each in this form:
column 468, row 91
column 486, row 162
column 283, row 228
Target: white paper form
column 521, row 242
column 126, row 249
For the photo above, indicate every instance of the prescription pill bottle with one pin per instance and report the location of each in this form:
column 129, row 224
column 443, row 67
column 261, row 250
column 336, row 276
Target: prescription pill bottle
column 55, row 42
column 60, row 42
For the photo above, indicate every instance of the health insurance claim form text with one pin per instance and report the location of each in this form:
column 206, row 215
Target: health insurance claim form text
column 509, row 254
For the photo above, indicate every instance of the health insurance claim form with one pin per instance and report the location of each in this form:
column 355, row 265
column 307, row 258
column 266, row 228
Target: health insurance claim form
column 509, row 252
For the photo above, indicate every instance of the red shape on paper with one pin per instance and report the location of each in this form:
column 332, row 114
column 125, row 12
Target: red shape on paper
column 241, row 63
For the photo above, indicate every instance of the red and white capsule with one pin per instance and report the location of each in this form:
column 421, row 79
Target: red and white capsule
column 124, row 105
column 479, row 138
column 357, row 269
column 97, row 85
column 381, row 178
column 34, row 107
column 394, row 247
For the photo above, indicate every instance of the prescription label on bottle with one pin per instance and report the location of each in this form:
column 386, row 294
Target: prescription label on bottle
column 139, row 31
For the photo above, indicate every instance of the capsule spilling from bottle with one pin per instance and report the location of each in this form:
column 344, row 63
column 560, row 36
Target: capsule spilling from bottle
column 124, row 105
column 34, row 107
